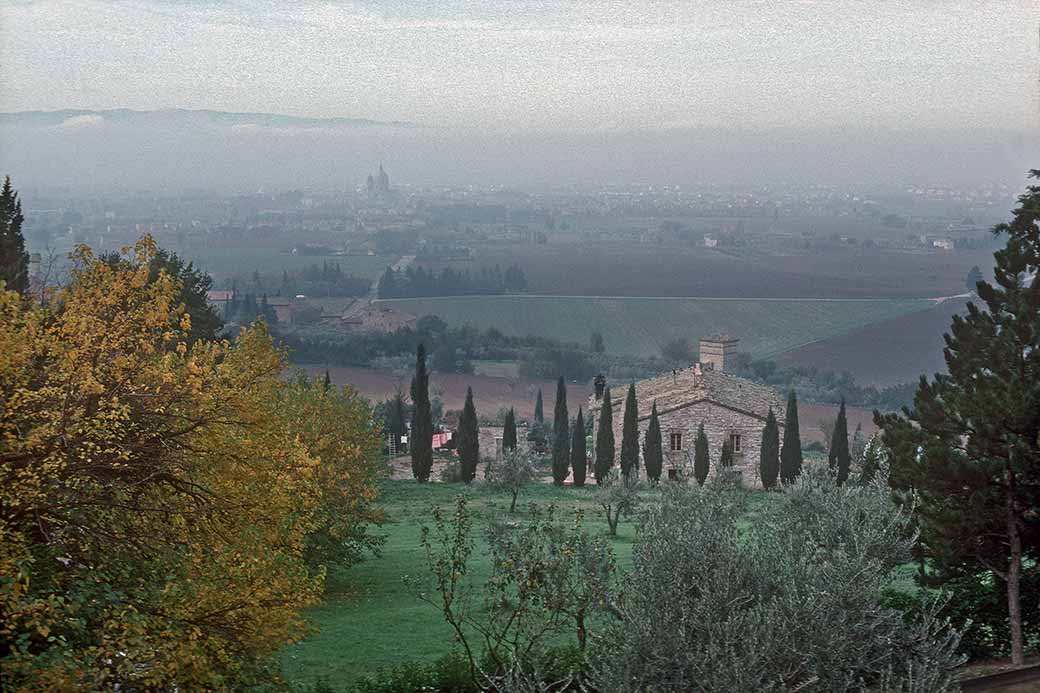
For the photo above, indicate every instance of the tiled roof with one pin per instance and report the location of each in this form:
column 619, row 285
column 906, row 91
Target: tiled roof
column 687, row 386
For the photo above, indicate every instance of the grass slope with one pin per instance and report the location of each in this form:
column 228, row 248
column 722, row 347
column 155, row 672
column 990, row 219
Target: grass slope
column 642, row 325
column 372, row 618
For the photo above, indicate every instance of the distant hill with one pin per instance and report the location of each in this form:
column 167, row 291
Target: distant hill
column 168, row 117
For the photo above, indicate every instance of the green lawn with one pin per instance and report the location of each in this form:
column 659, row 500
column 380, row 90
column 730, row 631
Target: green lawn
column 641, row 326
column 371, row 618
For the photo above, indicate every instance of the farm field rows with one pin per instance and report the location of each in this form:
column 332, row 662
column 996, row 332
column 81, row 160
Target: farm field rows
column 898, row 350
column 223, row 262
column 641, row 326
column 627, row 268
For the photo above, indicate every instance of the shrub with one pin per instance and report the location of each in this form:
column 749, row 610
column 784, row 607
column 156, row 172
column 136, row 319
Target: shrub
column 447, row 674
column 547, row 579
column 789, row 602
column 977, row 606
column 511, row 473
column 452, row 473
column 815, row 446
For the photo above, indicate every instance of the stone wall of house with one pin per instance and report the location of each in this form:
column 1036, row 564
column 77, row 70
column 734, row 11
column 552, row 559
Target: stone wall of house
column 719, row 423
column 489, row 440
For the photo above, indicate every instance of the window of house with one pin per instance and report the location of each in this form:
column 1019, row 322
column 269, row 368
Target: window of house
column 675, row 441
column 734, row 442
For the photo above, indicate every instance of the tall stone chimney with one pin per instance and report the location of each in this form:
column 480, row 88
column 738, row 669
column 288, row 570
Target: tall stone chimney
column 716, row 350
column 600, row 384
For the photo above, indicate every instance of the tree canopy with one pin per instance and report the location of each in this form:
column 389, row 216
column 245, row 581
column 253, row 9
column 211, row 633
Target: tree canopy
column 561, row 449
column 420, row 444
column 968, row 453
column 14, row 261
column 604, row 440
column 164, row 508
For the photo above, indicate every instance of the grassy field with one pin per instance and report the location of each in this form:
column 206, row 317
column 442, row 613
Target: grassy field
column 642, row 325
column 372, row 617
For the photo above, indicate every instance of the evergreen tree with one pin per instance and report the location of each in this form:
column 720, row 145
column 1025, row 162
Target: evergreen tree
column 630, row 435
column 791, row 453
column 769, row 460
column 701, row 456
column 509, row 431
column 194, row 284
column 579, row 463
column 857, row 447
column 396, row 417
column 726, row 457
column 839, row 458
column 968, row 453
column 596, row 343
column 653, row 451
column 539, row 416
column 973, row 278
column 420, row 444
column 469, row 441
column 561, row 450
column 604, row 461
column 14, row 261
column 327, row 384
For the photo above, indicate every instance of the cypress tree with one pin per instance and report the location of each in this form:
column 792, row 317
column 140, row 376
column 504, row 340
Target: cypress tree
column 421, row 443
column 469, row 442
column 630, row 435
column 769, row 460
column 14, row 261
column 561, row 450
column 726, row 458
column 791, row 453
column 838, row 458
column 653, row 452
column 327, row 384
column 604, row 440
column 509, row 431
column 701, row 456
column 578, row 453
column 395, row 418
column 539, row 416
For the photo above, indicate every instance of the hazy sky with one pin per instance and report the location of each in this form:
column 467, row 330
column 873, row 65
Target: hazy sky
column 569, row 65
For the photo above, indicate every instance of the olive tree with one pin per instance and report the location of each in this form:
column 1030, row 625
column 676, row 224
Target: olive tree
column 549, row 578
column 618, row 496
column 790, row 602
column 510, row 473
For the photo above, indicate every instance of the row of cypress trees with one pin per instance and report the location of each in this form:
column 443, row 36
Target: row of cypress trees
column 569, row 455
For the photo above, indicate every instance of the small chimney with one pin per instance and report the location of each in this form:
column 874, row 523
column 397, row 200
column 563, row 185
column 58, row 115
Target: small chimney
column 715, row 351
column 697, row 368
column 600, row 383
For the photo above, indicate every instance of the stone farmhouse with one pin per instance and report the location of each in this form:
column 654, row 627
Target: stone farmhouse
column 731, row 408
column 490, row 440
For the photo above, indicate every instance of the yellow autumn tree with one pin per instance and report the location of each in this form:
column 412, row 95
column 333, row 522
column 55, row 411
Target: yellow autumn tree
column 337, row 428
column 156, row 504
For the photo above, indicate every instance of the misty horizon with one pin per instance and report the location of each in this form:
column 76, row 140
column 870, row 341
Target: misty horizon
column 176, row 149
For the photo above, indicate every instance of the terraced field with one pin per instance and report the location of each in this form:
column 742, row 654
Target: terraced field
column 766, row 327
